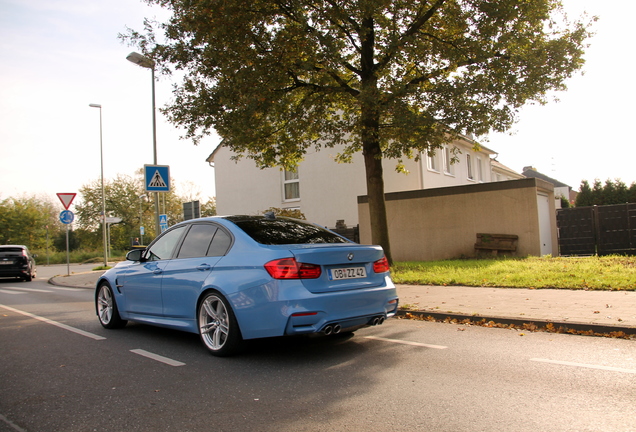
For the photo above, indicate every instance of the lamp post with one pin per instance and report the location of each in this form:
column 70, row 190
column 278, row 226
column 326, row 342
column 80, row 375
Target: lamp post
column 101, row 154
column 141, row 233
column 147, row 63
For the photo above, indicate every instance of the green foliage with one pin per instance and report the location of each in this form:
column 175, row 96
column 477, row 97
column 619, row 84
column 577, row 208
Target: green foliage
column 59, row 242
column 27, row 220
column 612, row 192
column 79, row 256
column 597, row 273
column 275, row 80
column 389, row 78
column 208, row 208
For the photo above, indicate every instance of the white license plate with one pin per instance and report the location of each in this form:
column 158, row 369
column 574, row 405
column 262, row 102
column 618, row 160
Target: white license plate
column 6, row 262
column 347, row 273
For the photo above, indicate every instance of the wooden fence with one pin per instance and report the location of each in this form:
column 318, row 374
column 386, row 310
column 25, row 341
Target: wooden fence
column 601, row 230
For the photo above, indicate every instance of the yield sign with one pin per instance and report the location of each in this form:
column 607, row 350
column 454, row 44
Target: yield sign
column 66, row 198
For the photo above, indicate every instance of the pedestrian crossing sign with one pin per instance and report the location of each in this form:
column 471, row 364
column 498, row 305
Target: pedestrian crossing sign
column 157, row 178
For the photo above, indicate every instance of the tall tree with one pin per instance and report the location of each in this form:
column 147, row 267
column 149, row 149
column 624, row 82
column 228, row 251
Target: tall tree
column 389, row 78
column 29, row 220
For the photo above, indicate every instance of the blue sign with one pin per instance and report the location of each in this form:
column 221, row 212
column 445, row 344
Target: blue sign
column 163, row 222
column 157, row 178
column 66, row 217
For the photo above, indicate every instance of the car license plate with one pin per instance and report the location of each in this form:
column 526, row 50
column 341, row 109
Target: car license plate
column 347, row 273
column 6, row 262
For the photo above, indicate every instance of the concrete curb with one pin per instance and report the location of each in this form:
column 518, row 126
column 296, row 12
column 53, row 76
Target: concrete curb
column 558, row 326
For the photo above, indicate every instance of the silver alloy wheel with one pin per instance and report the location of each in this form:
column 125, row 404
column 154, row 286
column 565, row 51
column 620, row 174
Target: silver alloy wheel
column 214, row 322
column 105, row 304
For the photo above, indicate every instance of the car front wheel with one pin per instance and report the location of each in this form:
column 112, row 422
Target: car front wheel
column 218, row 328
column 107, row 308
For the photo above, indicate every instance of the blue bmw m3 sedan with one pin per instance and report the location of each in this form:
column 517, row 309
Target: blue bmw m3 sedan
column 234, row 278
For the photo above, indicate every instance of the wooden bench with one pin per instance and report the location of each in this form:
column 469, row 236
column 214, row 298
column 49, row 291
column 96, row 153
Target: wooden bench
column 495, row 243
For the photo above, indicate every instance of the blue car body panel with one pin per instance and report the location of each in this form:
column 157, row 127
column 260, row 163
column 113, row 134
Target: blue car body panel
column 166, row 292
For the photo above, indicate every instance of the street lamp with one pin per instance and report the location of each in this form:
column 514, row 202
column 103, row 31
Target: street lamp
column 145, row 62
column 141, row 197
column 101, row 153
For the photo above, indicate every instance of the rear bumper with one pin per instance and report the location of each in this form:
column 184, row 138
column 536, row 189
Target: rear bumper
column 292, row 310
column 14, row 272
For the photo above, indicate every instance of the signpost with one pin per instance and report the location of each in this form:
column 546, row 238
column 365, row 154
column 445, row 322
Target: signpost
column 163, row 222
column 67, row 199
column 67, row 217
column 157, row 179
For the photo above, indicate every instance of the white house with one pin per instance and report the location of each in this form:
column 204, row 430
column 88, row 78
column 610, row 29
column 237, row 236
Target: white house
column 326, row 191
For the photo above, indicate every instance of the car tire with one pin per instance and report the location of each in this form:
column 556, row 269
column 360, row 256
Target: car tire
column 218, row 327
column 28, row 277
column 106, row 307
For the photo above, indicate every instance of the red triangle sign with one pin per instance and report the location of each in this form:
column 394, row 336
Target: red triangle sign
column 67, row 199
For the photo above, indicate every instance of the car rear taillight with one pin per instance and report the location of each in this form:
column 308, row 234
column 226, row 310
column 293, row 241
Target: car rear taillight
column 381, row 265
column 289, row 268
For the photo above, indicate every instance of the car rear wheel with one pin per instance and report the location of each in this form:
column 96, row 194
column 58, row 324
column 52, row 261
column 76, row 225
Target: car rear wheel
column 107, row 308
column 218, row 328
column 29, row 276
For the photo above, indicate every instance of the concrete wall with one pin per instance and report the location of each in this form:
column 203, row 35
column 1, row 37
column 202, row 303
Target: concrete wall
column 442, row 223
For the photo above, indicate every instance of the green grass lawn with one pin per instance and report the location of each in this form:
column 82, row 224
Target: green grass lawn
column 593, row 273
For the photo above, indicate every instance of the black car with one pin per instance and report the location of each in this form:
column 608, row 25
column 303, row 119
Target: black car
column 17, row 261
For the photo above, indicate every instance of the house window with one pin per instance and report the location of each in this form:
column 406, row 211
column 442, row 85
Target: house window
column 291, row 185
column 448, row 161
column 469, row 164
column 431, row 161
column 480, row 170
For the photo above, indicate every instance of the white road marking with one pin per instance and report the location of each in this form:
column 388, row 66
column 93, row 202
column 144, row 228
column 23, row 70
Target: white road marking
column 4, row 291
column 55, row 323
column 583, row 365
column 406, row 342
column 12, row 425
column 31, row 290
column 157, row 357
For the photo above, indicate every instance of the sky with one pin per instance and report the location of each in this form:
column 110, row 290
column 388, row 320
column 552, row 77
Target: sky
column 59, row 56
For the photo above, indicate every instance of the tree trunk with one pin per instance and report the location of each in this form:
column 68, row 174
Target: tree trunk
column 371, row 150
column 375, row 192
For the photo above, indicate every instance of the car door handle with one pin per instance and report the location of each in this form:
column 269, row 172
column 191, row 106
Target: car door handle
column 157, row 271
column 204, row 267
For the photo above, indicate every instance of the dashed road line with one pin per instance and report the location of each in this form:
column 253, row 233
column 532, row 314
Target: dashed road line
column 157, row 357
column 583, row 365
column 55, row 323
column 30, row 290
column 5, row 291
column 398, row 341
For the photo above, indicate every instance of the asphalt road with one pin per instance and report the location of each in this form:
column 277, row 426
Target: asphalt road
column 61, row 371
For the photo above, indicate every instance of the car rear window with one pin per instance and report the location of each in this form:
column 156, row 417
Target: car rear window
column 280, row 231
column 11, row 249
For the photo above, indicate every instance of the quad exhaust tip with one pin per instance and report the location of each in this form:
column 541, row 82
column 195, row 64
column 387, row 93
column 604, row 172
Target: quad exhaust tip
column 332, row 329
column 337, row 328
column 377, row 320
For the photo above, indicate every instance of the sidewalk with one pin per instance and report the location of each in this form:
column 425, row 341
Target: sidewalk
column 600, row 311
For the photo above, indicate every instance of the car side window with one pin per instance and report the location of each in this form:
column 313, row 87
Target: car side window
column 164, row 246
column 220, row 244
column 197, row 241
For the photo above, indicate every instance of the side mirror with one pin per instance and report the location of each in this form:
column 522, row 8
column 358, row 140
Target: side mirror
column 135, row 255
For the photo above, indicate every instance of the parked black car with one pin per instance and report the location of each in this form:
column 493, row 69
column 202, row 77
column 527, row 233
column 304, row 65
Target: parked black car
column 17, row 261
